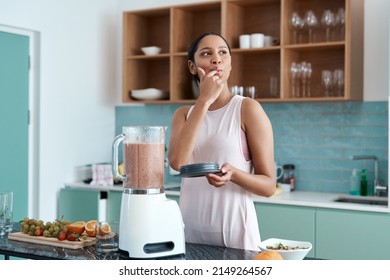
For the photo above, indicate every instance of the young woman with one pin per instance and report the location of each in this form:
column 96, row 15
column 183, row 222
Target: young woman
column 233, row 131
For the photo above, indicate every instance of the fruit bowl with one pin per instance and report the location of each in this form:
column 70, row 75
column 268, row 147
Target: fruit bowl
column 289, row 249
column 151, row 50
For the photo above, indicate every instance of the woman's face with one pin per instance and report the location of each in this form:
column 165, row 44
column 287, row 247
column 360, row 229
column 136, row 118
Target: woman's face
column 212, row 54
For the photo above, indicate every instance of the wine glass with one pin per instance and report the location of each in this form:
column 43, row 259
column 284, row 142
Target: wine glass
column 328, row 22
column 311, row 22
column 296, row 23
column 305, row 70
column 338, row 81
column 340, row 22
column 294, row 71
column 304, row 76
column 327, row 82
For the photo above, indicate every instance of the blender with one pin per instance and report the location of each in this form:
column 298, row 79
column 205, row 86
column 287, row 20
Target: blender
column 151, row 226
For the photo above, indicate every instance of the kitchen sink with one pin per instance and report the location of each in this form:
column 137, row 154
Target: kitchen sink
column 371, row 200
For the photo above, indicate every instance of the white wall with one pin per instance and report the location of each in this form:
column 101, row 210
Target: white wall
column 81, row 46
column 77, row 85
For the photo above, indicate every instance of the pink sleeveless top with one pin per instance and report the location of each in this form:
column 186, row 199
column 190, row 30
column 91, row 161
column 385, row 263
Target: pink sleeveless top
column 222, row 216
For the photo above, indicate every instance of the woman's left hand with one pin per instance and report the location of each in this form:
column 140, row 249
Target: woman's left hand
column 219, row 180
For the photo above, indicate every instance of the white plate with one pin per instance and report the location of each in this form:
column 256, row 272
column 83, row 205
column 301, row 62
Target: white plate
column 149, row 94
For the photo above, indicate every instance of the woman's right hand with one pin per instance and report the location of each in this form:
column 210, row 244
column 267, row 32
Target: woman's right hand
column 210, row 85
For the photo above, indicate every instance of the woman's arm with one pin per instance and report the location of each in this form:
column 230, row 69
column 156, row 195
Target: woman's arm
column 258, row 129
column 183, row 134
column 184, row 131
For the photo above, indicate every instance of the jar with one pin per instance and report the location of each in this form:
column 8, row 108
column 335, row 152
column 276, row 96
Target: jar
column 288, row 175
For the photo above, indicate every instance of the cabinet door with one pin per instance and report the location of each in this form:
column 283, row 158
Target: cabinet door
column 114, row 201
column 347, row 235
column 287, row 222
column 174, row 197
column 78, row 205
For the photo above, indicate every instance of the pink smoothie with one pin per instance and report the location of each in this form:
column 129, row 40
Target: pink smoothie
column 144, row 165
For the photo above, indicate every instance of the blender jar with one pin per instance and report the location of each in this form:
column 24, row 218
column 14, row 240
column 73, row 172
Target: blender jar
column 143, row 158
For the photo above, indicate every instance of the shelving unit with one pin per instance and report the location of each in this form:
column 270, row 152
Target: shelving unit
column 173, row 28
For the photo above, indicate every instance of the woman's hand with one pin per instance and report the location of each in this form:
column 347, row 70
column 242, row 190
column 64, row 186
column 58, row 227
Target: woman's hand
column 211, row 85
column 220, row 180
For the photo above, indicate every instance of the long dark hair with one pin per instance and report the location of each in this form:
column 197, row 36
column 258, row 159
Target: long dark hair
column 195, row 44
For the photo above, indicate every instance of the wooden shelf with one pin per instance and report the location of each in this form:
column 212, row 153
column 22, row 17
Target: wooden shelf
column 173, row 28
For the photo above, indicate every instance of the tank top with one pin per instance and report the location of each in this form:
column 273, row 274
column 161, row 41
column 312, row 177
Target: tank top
column 222, row 216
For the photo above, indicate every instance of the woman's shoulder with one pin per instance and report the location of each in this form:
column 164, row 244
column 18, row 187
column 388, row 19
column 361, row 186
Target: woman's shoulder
column 252, row 110
column 183, row 110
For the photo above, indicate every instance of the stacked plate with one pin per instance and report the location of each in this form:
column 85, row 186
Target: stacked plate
column 198, row 169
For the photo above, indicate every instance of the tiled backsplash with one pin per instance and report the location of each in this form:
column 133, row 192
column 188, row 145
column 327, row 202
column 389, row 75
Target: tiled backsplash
column 319, row 138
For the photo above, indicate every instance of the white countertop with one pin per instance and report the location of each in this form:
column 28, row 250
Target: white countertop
column 309, row 199
column 295, row 198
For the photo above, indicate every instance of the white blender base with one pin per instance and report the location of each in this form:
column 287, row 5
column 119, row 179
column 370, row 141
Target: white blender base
column 151, row 226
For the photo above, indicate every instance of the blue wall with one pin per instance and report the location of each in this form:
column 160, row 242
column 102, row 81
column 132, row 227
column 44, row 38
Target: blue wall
column 319, row 138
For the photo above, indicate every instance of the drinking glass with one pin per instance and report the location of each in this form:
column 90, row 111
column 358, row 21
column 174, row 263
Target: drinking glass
column 296, row 24
column 328, row 22
column 311, row 23
column 107, row 236
column 6, row 216
column 327, row 82
column 340, row 22
column 306, row 71
column 338, row 81
column 294, row 72
column 250, row 92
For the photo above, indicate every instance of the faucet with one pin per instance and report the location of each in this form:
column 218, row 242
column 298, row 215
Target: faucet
column 378, row 189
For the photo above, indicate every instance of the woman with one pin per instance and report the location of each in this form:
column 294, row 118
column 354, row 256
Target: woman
column 233, row 131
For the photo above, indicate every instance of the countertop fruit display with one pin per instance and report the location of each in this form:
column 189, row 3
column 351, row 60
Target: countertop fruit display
column 59, row 229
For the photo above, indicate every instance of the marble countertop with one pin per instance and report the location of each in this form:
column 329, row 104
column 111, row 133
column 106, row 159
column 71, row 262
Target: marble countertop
column 295, row 198
column 48, row 252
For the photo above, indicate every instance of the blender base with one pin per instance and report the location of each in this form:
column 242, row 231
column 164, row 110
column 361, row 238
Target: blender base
column 151, row 226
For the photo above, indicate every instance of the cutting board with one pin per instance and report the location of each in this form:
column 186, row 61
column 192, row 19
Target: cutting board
column 20, row 236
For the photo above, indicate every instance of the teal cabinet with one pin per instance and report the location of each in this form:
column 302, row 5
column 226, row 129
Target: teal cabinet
column 114, row 201
column 173, row 197
column 78, row 204
column 352, row 235
column 84, row 205
column 287, row 222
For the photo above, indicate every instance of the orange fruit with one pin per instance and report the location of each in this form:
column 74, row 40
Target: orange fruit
column 77, row 227
column 268, row 255
column 104, row 229
column 90, row 228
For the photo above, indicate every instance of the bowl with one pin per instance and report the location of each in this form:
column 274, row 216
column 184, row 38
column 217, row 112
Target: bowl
column 152, row 50
column 289, row 249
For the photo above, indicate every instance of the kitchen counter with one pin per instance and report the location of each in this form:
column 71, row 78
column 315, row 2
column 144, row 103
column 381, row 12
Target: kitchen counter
column 308, row 199
column 46, row 252
column 295, row 198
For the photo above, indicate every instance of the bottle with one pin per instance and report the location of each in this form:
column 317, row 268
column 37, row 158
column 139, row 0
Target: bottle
column 354, row 183
column 363, row 183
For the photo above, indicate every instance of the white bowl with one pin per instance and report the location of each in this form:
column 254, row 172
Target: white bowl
column 298, row 251
column 149, row 94
column 152, row 50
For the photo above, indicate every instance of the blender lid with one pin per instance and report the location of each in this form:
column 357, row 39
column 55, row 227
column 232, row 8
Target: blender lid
column 198, row 169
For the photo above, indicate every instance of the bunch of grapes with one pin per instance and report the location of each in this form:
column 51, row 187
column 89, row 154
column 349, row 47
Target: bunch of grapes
column 39, row 228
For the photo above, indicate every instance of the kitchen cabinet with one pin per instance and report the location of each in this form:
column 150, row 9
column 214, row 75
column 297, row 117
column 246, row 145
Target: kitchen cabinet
column 287, row 222
column 335, row 234
column 352, row 235
column 84, row 205
column 173, row 28
column 174, row 197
